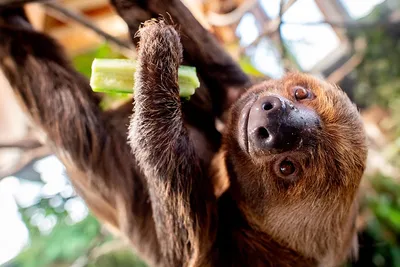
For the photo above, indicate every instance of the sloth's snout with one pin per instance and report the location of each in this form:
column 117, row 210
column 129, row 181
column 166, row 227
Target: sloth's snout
column 276, row 125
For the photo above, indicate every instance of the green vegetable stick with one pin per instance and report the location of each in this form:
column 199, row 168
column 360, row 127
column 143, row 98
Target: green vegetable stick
column 117, row 76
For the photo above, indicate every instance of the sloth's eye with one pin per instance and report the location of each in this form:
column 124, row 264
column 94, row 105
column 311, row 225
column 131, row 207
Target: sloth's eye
column 301, row 93
column 286, row 168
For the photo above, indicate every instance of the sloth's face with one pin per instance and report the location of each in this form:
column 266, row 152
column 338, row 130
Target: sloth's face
column 294, row 144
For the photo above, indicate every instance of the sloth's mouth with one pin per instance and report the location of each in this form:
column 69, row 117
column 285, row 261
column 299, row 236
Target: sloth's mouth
column 243, row 122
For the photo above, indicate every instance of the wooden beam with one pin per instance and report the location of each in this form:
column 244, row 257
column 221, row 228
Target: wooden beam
column 233, row 17
column 196, row 8
column 36, row 15
column 260, row 15
column 77, row 39
column 76, row 17
column 84, row 5
column 271, row 27
column 360, row 47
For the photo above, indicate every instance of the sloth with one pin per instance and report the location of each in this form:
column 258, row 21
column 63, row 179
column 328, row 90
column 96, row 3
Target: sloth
column 281, row 190
column 285, row 180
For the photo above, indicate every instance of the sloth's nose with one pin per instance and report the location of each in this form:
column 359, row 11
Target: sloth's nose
column 271, row 125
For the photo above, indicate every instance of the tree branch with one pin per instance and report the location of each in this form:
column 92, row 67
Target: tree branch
column 221, row 20
column 75, row 16
column 124, row 47
column 22, row 144
column 26, row 158
column 283, row 49
column 360, row 46
column 83, row 260
column 272, row 26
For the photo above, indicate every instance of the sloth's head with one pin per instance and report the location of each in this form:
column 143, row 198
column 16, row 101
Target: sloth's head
column 295, row 151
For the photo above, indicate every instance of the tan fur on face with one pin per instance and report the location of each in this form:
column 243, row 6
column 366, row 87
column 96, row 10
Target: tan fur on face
column 219, row 174
column 315, row 214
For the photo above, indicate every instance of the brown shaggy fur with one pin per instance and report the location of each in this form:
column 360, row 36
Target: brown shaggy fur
column 161, row 192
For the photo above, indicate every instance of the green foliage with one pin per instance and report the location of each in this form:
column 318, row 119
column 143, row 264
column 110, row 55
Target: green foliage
column 378, row 82
column 63, row 245
column 122, row 258
column 384, row 227
column 378, row 75
column 248, row 67
column 66, row 242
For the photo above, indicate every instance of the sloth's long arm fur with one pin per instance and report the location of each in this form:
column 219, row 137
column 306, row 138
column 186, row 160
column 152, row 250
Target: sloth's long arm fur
column 180, row 191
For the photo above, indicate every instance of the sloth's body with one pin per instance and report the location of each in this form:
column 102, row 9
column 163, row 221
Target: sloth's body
column 281, row 191
column 284, row 181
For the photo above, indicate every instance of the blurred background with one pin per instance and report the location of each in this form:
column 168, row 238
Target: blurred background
column 355, row 43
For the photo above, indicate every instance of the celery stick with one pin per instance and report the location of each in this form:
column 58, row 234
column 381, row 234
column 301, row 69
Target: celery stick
column 117, row 76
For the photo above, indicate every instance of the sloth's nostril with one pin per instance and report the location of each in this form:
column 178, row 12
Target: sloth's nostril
column 263, row 133
column 267, row 106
